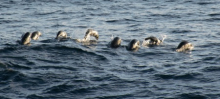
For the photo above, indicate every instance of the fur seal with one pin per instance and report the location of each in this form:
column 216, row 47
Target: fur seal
column 115, row 43
column 61, row 35
column 35, row 35
column 150, row 41
column 89, row 32
column 26, row 38
column 184, row 46
column 133, row 45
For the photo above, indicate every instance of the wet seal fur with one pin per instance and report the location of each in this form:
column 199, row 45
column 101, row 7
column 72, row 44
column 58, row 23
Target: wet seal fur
column 61, row 35
column 26, row 39
column 91, row 32
column 35, row 35
column 184, row 46
column 115, row 43
column 152, row 41
column 86, row 39
column 133, row 45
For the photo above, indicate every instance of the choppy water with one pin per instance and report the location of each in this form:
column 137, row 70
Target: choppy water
column 56, row 70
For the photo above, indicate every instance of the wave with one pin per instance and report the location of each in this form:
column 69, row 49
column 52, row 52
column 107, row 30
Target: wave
column 211, row 19
column 43, row 1
column 57, row 68
column 214, row 14
column 186, row 76
column 124, row 96
column 46, row 13
column 7, row 75
column 121, row 21
column 166, row 15
column 34, row 96
column 59, row 88
column 11, row 21
column 18, row 66
column 3, row 97
column 206, row 3
column 211, row 69
column 49, row 46
column 27, row 57
column 191, row 96
column 181, row 31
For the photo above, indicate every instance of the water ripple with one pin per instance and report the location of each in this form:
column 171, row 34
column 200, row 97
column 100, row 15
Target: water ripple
column 76, row 70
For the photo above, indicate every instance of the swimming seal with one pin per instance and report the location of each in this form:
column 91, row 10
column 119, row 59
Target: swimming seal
column 35, row 35
column 150, row 41
column 26, row 38
column 61, row 35
column 184, row 46
column 133, row 45
column 115, row 43
column 89, row 32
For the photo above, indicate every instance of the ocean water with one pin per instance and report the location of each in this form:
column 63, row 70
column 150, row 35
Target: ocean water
column 50, row 69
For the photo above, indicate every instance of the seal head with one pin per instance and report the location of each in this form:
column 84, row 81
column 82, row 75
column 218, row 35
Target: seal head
column 35, row 35
column 61, row 35
column 133, row 45
column 26, row 38
column 115, row 43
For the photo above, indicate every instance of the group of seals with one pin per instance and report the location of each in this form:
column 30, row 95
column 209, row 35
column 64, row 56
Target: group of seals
column 133, row 45
column 90, row 32
column 61, row 35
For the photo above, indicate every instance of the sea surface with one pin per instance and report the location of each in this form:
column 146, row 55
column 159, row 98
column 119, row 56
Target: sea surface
column 51, row 69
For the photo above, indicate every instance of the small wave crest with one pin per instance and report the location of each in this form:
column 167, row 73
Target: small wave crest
column 178, row 77
column 191, row 96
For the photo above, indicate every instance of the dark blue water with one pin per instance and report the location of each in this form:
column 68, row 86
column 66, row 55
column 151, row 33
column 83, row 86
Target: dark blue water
column 48, row 69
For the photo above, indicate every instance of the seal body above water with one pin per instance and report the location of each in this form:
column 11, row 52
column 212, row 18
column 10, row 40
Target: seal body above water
column 184, row 46
column 35, row 35
column 133, row 45
column 151, row 41
column 61, row 35
column 26, row 38
column 89, row 32
column 115, row 43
